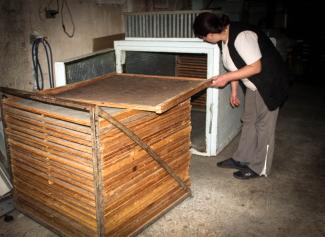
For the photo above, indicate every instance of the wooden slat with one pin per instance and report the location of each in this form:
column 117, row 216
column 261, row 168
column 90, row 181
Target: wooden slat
column 97, row 169
column 69, row 144
column 68, row 152
column 72, row 126
column 70, row 165
column 78, row 157
column 68, row 135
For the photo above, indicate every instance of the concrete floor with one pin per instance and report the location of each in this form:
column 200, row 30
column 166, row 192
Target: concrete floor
column 290, row 202
column 198, row 130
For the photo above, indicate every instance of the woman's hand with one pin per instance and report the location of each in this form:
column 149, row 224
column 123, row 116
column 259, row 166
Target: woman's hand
column 234, row 101
column 219, row 81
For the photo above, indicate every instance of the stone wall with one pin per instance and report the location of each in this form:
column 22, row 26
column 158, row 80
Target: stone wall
column 19, row 19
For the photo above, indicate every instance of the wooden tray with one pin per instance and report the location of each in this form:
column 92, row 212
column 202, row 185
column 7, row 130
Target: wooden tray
column 141, row 92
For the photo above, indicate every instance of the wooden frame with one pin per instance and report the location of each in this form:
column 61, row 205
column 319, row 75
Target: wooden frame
column 76, row 92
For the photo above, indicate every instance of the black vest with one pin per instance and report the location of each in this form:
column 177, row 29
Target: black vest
column 272, row 81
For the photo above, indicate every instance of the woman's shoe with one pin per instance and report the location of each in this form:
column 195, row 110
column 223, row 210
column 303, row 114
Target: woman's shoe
column 230, row 164
column 246, row 173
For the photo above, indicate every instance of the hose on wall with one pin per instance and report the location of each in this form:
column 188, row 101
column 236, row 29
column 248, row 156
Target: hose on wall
column 39, row 77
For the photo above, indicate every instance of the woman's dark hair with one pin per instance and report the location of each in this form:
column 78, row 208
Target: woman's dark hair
column 208, row 22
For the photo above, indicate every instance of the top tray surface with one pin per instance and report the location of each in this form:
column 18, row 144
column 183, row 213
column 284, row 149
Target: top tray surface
column 143, row 92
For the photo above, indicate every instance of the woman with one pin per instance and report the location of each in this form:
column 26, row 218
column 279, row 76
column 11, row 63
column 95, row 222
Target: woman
column 248, row 55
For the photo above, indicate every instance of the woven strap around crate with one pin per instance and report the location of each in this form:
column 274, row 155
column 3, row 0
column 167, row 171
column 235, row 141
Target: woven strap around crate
column 144, row 146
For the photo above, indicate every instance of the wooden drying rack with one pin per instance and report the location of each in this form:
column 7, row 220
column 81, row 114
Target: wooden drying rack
column 73, row 96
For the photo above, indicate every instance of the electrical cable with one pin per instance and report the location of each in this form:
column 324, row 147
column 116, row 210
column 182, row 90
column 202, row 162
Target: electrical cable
column 39, row 78
column 70, row 35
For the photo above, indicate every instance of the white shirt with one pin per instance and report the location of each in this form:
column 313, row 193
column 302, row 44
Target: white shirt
column 246, row 44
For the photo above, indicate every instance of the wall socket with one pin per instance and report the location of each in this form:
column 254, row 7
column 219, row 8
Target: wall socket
column 34, row 35
column 49, row 13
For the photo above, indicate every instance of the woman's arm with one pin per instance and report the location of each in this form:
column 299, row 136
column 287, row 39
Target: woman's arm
column 244, row 72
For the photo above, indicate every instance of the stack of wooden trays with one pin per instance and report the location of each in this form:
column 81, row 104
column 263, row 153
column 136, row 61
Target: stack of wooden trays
column 75, row 172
